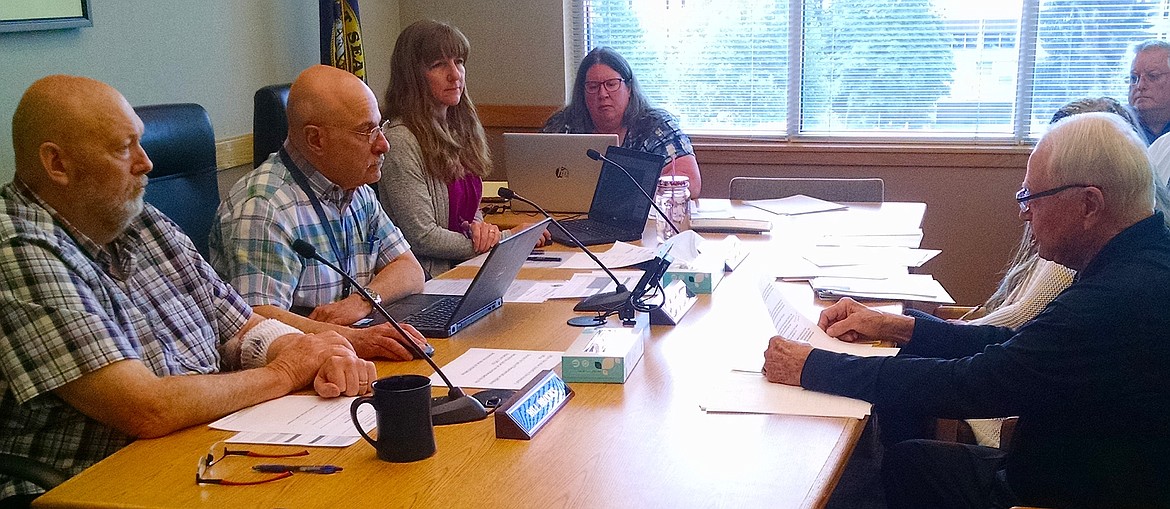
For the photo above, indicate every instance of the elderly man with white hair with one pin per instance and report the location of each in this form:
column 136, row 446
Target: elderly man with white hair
column 1089, row 377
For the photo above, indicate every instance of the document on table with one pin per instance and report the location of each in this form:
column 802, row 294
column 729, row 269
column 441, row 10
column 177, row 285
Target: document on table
column 590, row 283
column 298, row 420
column 795, row 205
column 797, row 327
column 795, row 268
column 824, row 256
column 739, row 392
column 620, row 255
column 908, row 239
column 521, row 290
column 917, row 287
column 490, row 368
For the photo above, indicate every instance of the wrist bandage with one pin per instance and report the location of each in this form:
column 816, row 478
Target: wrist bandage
column 255, row 343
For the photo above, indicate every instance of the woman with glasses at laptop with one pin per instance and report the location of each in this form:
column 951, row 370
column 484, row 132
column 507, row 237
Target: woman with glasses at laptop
column 607, row 99
column 431, row 181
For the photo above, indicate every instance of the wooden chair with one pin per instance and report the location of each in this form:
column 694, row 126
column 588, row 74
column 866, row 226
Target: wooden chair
column 830, row 189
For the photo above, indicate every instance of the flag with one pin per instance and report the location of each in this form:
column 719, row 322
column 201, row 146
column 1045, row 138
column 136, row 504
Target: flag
column 341, row 36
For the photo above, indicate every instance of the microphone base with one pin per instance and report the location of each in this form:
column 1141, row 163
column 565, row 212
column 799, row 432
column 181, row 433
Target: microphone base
column 609, row 301
column 445, row 410
column 587, row 321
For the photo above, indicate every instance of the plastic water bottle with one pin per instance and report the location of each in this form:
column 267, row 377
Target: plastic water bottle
column 673, row 196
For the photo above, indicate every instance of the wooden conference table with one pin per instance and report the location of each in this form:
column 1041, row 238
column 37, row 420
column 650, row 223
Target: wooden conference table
column 645, row 443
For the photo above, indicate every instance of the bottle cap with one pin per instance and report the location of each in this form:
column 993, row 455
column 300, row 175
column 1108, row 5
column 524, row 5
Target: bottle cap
column 674, row 180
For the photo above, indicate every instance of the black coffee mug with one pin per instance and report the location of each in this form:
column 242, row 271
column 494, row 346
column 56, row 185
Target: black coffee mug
column 403, row 407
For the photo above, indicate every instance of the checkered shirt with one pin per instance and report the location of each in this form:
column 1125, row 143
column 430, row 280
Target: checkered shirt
column 251, row 240
column 69, row 307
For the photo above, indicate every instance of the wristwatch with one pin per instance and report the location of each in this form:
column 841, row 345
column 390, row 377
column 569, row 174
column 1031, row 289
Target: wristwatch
column 375, row 296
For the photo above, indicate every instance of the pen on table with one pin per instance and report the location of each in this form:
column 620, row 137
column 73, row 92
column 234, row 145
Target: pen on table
column 544, row 258
column 308, row 469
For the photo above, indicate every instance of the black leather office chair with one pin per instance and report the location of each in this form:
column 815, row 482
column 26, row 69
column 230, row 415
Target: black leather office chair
column 269, row 121
column 25, row 469
column 184, row 185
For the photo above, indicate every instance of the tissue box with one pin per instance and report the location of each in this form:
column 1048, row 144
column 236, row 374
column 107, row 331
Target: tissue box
column 700, row 276
column 605, row 354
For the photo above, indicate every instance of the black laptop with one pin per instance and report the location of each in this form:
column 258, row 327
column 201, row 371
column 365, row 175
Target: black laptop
column 619, row 208
column 441, row 316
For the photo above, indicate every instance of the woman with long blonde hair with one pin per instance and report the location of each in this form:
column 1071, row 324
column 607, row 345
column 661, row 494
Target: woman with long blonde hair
column 432, row 176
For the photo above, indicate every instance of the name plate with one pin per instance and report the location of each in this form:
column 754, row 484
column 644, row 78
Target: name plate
column 734, row 253
column 677, row 300
column 527, row 411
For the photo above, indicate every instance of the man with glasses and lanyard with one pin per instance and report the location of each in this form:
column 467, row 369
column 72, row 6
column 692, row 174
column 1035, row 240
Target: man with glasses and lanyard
column 1089, row 377
column 112, row 327
column 315, row 189
column 1149, row 88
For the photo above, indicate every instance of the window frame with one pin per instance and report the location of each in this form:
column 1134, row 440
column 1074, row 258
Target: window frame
column 1020, row 136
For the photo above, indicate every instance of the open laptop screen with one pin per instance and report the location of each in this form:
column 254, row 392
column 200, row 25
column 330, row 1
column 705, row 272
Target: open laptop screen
column 617, row 200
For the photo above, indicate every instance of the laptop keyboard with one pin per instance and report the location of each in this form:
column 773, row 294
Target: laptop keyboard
column 435, row 316
column 593, row 232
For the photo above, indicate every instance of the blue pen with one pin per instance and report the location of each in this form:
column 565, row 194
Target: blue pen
column 308, row 469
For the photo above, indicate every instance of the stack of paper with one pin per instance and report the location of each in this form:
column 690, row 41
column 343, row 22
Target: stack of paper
column 918, row 287
column 795, row 205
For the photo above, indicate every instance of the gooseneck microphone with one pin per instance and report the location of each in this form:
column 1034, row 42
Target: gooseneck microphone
column 456, row 407
column 609, row 301
column 596, row 156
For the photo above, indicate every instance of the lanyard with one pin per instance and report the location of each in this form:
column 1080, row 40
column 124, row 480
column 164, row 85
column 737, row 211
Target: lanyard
column 343, row 257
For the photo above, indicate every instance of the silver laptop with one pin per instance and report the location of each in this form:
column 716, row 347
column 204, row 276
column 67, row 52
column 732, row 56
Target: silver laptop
column 553, row 170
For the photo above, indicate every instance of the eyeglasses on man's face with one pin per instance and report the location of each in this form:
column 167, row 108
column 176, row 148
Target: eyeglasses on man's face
column 611, row 85
column 371, row 135
column 1023, row 196
column 239, row 476
column 1153, row 78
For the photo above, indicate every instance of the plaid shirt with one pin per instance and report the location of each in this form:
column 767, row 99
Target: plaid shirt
column 69, row 307
column 251, row 240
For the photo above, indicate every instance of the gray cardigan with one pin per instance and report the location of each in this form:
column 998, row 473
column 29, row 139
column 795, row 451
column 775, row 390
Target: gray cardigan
column 418, row 204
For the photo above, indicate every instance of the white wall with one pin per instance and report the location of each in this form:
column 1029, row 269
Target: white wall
column 517, row 47
column 212, row 52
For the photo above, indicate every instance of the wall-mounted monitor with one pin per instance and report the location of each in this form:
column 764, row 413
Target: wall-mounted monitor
column 24, row 15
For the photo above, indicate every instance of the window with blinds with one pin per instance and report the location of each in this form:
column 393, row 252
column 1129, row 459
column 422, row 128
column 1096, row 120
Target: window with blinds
column 929, row 69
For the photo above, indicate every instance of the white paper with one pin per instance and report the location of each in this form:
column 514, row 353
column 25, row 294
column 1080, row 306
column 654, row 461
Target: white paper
column 831, row 256
column 521, row 290
column 622, row 254
column 490, row 368
column 585, row 284
column 795, row 268
column 910, row 240
column 260, row 437
column 917, row 287
column 556, row 264
column 299, row 414
column 736, row 392
column 795, row 205
column 797, row 327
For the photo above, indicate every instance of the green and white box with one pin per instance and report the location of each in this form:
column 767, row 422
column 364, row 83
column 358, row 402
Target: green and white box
column 605, row 354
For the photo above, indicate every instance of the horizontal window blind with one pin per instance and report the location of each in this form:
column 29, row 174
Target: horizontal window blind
column 923, row 69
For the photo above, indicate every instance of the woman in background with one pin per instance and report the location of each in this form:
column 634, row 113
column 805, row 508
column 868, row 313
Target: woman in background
column 432, row 176
column 607, row 99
